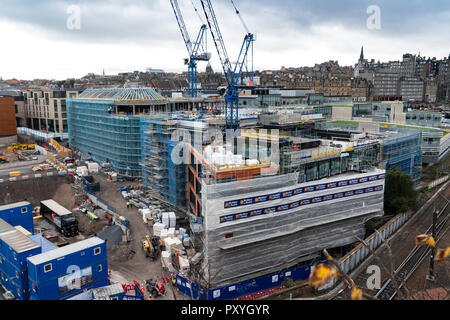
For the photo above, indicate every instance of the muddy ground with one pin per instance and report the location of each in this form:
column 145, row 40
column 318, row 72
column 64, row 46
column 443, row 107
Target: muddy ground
column 127, row 261
column 57, row 188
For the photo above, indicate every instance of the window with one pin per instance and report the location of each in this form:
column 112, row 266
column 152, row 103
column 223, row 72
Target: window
column 115, row 298
column 24, row 210
column 100, row 268
column 48, row 267
column 15, row 256
column 97, row 251
column 83, row 253
column 33, row 286
column 17, row 274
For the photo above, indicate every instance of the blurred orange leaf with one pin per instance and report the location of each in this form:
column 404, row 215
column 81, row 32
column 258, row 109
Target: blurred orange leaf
column 356, row 294
column 442, row 254
column 424, row 239
column 321, row 274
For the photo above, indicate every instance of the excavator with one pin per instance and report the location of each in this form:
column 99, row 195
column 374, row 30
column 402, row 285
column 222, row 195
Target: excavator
column 151, row 246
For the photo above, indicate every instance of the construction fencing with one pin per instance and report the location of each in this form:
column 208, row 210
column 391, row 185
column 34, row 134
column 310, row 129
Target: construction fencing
column 437, row 182
column 350, row 261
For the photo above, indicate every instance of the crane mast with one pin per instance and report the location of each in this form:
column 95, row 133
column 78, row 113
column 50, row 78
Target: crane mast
column 232, row 74
column 197, row 50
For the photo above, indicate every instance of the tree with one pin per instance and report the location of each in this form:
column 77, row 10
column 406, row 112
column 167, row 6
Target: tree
column 400, row 194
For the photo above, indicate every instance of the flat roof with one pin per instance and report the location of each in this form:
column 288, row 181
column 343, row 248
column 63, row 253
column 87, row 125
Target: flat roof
column 14, row 205
column 56, row 207
column 64, row 251
column 104, row 293
column 5, row 226
column 18, row 241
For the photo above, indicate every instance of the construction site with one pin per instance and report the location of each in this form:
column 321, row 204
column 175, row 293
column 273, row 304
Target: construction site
column 194, row 197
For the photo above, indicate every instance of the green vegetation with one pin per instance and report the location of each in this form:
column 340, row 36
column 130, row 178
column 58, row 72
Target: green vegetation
column 400, row 194
column 346, row 122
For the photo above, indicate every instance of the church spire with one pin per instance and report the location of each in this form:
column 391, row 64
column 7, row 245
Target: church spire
column 361, row 57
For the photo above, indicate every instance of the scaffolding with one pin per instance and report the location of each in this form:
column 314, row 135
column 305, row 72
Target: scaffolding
column 260, row 226
column 105, row 137
column 161, row 175
column 403, row 149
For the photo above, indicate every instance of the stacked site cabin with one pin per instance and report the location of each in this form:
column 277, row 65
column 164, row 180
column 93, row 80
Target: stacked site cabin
column 15, row 248
column 65, row 272
column 18, row 214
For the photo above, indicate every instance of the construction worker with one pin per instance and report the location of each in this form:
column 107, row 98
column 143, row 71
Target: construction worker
column 174, row 281
column 128, row 204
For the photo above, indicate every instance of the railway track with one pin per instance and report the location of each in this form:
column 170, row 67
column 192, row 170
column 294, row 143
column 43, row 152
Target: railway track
column 409, row 265
column 413, row 260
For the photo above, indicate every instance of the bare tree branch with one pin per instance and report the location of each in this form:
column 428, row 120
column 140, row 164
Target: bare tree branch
column 391, row 273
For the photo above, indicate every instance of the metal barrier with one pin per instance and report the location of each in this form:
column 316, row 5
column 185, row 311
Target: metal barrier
column 355, row 257
column 437, row 182
column 350, row 261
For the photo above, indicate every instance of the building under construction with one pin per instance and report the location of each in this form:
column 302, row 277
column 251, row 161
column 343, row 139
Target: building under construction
column 262, row 206
column 269, row 219
column 106, row 123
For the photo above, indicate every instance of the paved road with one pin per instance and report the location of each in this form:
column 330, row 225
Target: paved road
column 25, row 167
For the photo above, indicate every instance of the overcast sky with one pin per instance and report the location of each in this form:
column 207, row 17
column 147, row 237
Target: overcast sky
column 128, row 35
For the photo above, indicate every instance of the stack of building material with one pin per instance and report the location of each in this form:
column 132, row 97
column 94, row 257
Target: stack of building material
column 82, row 171
column 177, row 244
column 93, row 167
column 157, row 228
column 186, row 241
column 164, row 234
column 165, row 259
column 184, row 264
column 168, row 243
column 146, row 214
column 171, row 233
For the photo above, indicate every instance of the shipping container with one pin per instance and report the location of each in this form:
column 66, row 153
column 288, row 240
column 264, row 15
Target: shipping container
column 63, row 272
column 20, row 277
column 48, row 291
column 17, row 247
column 20, row 213
column 9, row 284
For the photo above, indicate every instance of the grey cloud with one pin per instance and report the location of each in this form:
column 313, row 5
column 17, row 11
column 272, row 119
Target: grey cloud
column 152, row 20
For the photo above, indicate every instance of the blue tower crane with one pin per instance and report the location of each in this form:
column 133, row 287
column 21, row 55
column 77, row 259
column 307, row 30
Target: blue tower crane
column 197, row 50
column 232, row 74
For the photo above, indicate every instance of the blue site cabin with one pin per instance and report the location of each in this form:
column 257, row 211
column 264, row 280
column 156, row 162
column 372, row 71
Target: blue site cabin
column 18, row 214
column 15, row 248
column 65, row 272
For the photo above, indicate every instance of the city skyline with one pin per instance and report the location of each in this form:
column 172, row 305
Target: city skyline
column 290, row 34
